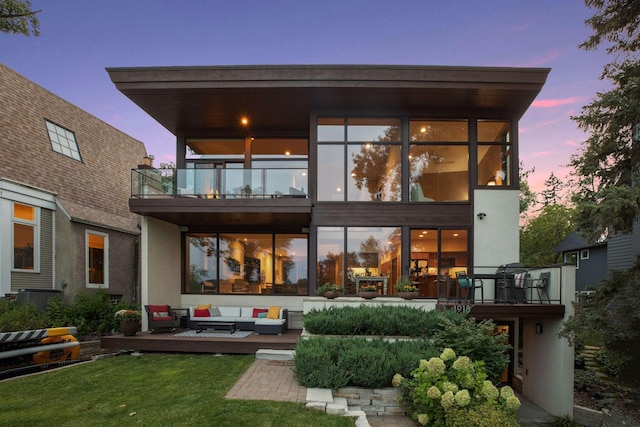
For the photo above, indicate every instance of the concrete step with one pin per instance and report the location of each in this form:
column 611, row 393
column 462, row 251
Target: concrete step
column 269, row 354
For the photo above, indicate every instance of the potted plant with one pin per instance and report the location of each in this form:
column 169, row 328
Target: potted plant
column 405, row 288
column 329, row 290
column 129, row 321
column 368, row 291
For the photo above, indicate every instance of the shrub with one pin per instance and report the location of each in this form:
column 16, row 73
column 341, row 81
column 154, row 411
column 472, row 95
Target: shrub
column 20, row 317
column 478, row 341
column 376, row 320
column 450, row 390
column 334, row 362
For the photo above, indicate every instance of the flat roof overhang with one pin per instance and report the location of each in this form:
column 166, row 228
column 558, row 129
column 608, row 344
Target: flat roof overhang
column 200, row 101
column 195, row 213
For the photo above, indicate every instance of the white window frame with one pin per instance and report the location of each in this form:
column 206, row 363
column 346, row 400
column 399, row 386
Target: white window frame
column 584, row 254
column 63, row 141
column 105, row 266
column 36, row 237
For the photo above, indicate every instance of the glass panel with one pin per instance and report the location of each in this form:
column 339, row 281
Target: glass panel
column 23, row 212
column 494, row 131
column 96, row 259
column 424, row 261
column 291, row 264
column 279, row 148
column 372, row 130
column 494, row 165
column 219, row 148
column 23, row 246
column 373, row 256
column 245, row 263
column 330, row 264
column 330, row 173
column 375, row 172
column 438, row 131
column 201, row 263
column 330, row 129
column 438, row 173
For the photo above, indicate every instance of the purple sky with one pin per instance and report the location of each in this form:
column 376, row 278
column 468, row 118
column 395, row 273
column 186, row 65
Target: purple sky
column 80, row 38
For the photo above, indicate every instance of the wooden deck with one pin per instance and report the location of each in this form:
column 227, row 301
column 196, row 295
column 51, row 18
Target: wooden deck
column 169, row 342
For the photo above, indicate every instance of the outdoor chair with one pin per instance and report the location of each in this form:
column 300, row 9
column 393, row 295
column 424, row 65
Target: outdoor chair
column 541, row 285
column 161, row 317
column 470, row 285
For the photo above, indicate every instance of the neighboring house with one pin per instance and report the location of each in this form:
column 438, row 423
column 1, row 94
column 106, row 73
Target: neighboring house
column 65, row 222
column 590, row 260
column 623, row 249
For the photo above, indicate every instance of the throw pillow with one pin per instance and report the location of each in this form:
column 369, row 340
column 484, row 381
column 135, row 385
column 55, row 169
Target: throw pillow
column 203, row 307
column 262, row 315
column 160, row 314
column 273, row 313
column 214, row 312
column 257, row 311
column 201, row 313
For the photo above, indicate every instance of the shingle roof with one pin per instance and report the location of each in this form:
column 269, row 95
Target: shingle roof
column 573, row 242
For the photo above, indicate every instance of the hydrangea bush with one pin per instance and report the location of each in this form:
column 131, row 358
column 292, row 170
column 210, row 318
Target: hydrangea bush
column 442, row 389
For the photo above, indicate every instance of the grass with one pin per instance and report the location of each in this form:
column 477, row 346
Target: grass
column 152, row 389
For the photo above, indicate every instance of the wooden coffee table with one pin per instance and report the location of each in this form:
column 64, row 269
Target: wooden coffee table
column 219, row 326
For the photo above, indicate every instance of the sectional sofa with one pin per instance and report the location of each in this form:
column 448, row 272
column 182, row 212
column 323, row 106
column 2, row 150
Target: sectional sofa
column 263, row 320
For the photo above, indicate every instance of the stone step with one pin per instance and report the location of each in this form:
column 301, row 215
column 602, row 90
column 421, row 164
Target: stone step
column 269, row 354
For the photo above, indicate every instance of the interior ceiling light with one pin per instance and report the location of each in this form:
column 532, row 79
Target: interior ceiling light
column 423, row 129
column 244, row 121
column 287, row 153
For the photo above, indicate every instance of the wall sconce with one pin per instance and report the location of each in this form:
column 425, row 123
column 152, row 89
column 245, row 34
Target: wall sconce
column 539, row 328
column 481, row 215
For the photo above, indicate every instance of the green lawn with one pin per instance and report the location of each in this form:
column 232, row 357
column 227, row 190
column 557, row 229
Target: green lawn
column 148, row 390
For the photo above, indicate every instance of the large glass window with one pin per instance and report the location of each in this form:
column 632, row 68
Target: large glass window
column 438, row 131
column 97, row 257
column 494, row 152
column 438, row 173
column 436, row 257
column 373, row 151
column 240, row 263
column 330, row 266
column 25, row 238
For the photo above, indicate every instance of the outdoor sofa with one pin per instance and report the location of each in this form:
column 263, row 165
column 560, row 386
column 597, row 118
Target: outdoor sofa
column 262, row 320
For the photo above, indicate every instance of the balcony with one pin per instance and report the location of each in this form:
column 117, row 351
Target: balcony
column 222, row 197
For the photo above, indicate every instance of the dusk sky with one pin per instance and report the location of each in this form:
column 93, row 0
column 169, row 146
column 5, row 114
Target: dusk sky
column 80, row 38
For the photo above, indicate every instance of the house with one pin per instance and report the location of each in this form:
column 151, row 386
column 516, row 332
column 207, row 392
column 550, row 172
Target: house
column 590, row 259
column 290, row 176
column 65, row 224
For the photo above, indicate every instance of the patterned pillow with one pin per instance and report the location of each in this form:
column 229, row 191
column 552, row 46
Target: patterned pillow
column 214, row 312
column 160, row 314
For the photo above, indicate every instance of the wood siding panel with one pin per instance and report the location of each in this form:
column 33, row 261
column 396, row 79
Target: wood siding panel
column 620, row 252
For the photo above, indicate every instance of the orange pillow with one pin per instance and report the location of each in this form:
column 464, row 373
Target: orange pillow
column 274, row 312
column 203, row 307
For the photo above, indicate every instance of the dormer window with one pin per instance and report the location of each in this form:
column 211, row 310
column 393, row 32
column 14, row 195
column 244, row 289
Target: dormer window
column 63, row 141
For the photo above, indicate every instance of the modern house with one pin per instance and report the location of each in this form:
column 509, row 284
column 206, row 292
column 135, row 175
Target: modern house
column 288, row 177
column 65, row 223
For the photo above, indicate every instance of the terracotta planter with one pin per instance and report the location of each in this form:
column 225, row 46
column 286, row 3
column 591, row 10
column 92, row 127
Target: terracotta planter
column 129, row 329
column 368, row 294
column 331, row 294
column 408, row 295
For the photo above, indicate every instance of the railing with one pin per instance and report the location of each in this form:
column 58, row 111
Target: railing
column 503, row 287
column 219, row 183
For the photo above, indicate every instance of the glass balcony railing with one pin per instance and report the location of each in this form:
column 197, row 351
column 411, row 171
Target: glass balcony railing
column 219, row 183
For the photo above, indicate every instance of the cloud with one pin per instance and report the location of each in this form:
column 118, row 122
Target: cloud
column 548, row 57
column 552, row 103
column 541, row 154
column 572, row 143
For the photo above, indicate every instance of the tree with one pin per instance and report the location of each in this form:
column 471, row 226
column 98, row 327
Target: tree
column 527, row 196
column 543, row 233
column 608, row 194
column 551, row 194
column 16, row 17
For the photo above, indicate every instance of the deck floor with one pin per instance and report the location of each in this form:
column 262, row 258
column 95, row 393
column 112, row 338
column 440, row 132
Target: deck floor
column 169, row 342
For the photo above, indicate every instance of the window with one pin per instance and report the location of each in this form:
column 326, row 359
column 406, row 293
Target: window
column 372, row 150
column 494, row 152
column 63, row 141
column 241, row 263
column 372, row 254
column 97, row 259
column 584, row 254
column 571, row 258
column 26, row 241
